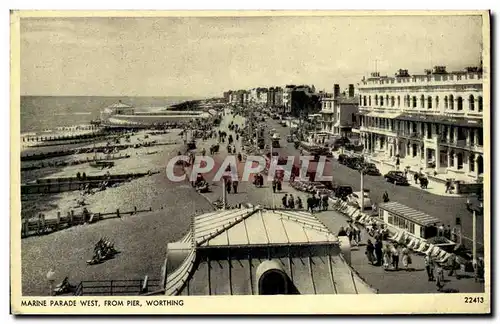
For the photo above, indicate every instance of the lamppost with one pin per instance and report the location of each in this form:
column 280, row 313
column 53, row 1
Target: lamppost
column 475, row 210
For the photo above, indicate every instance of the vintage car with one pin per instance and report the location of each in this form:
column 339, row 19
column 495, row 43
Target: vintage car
column 396, row 177
column 371, row 169
column 342, row 192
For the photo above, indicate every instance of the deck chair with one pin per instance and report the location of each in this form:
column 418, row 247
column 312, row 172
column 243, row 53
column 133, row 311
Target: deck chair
column 431, row 247
column 396, row 236
column 441, row 254
column 444, row 258
column 412, row 243
column 435, row 252
column 356, row 214
column 422, row 247
column 417, row 244
column 402, row 239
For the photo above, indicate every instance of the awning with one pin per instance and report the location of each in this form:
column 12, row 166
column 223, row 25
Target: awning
column 411, row 214
column 450, row 120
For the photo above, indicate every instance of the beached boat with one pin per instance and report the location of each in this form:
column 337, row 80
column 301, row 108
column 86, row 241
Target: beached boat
column 102, row 164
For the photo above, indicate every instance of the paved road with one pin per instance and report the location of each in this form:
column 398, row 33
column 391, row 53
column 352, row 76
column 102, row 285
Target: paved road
column 445, row 208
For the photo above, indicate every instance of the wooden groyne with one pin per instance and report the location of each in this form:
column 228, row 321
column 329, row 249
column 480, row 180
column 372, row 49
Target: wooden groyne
column 43, row 226
column 97, row 149
column 42, row 165
column 56, row 185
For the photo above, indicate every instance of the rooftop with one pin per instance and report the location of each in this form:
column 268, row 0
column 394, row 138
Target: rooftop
column 234, row 252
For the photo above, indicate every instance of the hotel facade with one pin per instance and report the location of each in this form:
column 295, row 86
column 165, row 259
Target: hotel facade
column 432, row 121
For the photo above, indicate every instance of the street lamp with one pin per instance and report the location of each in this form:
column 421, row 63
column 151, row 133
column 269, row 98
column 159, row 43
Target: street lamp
column 474, row 230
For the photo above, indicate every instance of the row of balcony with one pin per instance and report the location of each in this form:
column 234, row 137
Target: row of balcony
column 428, row 80
column 418, row 136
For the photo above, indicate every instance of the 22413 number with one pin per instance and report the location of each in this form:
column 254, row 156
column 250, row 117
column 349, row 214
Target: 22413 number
column 474, row 300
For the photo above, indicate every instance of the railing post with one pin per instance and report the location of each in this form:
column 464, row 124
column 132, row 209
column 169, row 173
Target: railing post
column 71, row 217
column 118, row 213
column 111, row 288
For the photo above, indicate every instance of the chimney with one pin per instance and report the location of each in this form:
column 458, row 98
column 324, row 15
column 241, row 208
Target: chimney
column 336, row 90
column 351, row 90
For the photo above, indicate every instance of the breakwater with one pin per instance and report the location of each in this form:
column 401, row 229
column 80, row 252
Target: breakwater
column 56, row 185
column 42, row 226
column 42, row 165
column 98, row 149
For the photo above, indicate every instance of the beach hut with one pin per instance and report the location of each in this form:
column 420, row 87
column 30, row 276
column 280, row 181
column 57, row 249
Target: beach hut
column 401, row 217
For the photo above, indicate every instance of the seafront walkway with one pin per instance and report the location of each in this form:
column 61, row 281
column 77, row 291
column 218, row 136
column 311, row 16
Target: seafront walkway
column 413, row 280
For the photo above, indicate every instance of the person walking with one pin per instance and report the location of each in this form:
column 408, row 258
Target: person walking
column 298, row 203
column 274, row 185
column 429, row 266
column 291, row 202
column 395, row 256
column 325, row 202
column 405, row 257
column 378, row 251
column 235, row 187
column 284, row 200
column 387, row 257
column 439, row 277
column 385, row 197
column 310, row 204
column 369, row 251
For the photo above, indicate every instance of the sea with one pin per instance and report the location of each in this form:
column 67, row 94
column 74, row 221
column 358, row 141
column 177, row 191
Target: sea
column 42, row 113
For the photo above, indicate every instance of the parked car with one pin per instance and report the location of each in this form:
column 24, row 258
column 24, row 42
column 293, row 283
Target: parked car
column 355, row 199
column 342, row 192
column 475, row 202
column 289, row 139
column 371, row 169
column 396, row 177
column 343, row 158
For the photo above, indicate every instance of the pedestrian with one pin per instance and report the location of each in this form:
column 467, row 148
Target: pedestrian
column 235, row 187
column 310, row 204
column 387, row 257
column 453, row 265
column 325, row 202
column 378, row 251
column 405, row 256
column 284, row 200
column 429, row 266
column 447, row 232
column 439, row 276
column 385, row 197
column 441, row 230
column 447, row 186
column 369, row 251
column 298, row 203
column 274, row 185
column 415, row 177
column 454, row 234
column 350, row 234
column 291, row 202
column 228, row 186
column 395, row 256
column 342, row 232
column 279, row 185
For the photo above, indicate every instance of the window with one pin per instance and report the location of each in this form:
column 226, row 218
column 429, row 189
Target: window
column 412, row 228
column 460, row 103
column 422, row 101
column 369, row 100
column 381, row 100
column 480, row 104
column 414, row 102
column 364, row 100
column 387, row 100
column 445, row 102
column 471, row 103
column 399, row 101
column 437, row 102
column 451, row 103
column 376, row 100
column 392, row 101
column 429, row 102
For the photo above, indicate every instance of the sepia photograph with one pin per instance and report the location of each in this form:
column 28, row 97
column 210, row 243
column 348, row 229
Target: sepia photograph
column 160, row 156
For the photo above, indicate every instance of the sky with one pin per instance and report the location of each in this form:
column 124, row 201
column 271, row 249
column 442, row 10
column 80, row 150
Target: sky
column 204, row 56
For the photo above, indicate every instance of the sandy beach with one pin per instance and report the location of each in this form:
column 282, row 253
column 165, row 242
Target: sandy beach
column 142, row 193
column 140, row 238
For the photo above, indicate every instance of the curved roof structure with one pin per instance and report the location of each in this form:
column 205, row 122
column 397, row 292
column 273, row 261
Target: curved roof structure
column 222, row 251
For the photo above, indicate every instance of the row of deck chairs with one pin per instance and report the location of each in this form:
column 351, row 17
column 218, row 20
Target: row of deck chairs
column 413, row 243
